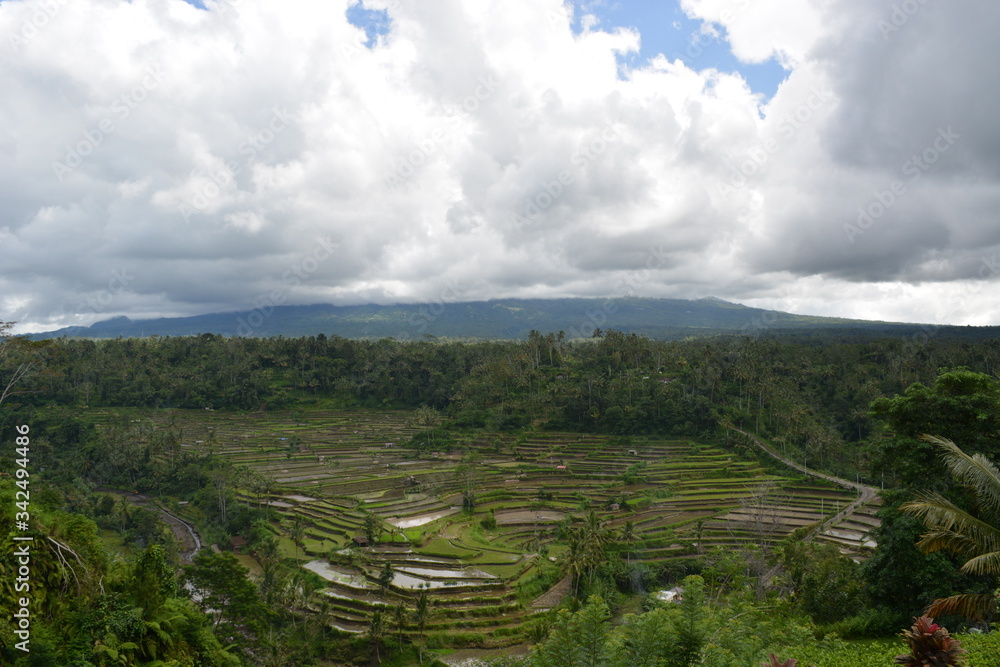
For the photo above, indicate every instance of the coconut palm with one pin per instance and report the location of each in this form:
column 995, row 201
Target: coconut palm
column 376, row 633
column 325, row 610
column 975, row 536
column 587, row 550
column 385, row 578
column 629, row 536
column 298, row 534
column 399, row 618
column 421, row 614
column 124, row 511
column 595, row 537
column 575, row 561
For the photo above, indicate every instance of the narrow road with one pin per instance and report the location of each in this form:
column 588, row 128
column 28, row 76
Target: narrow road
column 866, row 493
column 185, row 533
column 192, row 546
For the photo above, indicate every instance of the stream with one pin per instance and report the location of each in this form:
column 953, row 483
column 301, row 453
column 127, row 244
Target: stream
column 187, row 556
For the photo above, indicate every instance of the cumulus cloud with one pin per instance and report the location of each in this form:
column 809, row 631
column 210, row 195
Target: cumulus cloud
column 162, row 159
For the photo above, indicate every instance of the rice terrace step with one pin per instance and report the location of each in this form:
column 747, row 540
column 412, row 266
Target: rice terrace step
column 689, row 498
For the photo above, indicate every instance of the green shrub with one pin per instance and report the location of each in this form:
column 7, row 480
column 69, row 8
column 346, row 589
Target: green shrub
column 870, row 624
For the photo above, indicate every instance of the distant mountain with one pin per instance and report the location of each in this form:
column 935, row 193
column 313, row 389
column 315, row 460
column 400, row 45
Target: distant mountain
column 665, row 319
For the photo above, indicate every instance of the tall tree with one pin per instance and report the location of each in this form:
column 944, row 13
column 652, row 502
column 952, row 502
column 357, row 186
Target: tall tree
column 428, row 418
column 373, row 527
column 376, row 633
column 15, row 365
column 647, row 639
column 421, row 614
column 385, row 577
column 224, row 588
column 961, row 403
column 298, row 534
column 220, row 481
column 561, row 648
column 153, row 580
column 898, row 575
column 591, row 633
column 692, row 625
column 399, row 618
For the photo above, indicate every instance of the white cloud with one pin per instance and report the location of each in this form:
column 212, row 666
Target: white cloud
column 484, row 145
column 759, row 30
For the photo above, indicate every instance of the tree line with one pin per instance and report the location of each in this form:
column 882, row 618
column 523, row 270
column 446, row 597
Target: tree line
column 810, row 396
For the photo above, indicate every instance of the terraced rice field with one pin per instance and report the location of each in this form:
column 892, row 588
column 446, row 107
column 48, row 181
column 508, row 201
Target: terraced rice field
column 332, row 467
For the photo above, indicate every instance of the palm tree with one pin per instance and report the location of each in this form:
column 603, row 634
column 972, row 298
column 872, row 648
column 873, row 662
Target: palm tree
column 376, row 632
column 429, row 418
column 950, row 528
column 385, row 577
column 421, row 614
column 323, row 617
column 575, row 561
column 629, row 537
column 399, row 618
column 594, row 540
column 123, row 510
column 269, row 556
column 298, row 534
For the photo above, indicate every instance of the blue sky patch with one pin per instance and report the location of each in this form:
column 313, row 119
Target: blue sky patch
column 666, row 29
column 374, row 22
column 663, row 25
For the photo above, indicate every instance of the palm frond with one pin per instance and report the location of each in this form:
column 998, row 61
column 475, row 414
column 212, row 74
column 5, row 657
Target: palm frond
column 978, row 607
column 941, row 515
column 976, row 472
column 948, row 540
column 988, row 563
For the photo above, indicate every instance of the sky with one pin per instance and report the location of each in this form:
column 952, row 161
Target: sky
column 823, row 157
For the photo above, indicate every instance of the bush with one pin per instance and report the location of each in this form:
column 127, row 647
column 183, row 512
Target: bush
column 930, row 644
column 869, row 624
column 434, row 440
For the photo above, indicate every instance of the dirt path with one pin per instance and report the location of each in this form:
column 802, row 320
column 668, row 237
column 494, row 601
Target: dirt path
column 866, row 493
column 551, row 598
column 472, row 657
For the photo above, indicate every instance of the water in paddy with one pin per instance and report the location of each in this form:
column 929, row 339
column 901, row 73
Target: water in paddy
column 414, row 521
column 323, row 569
column 406, row 581
column 451, row 574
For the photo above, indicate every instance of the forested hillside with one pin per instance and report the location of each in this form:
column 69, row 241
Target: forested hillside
column 812, row 397
column 507, row 319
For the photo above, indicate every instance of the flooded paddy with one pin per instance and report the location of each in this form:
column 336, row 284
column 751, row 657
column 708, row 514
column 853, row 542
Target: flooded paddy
column 337, row 575
column 471, row 573
column 529, row 516
column 421, row 519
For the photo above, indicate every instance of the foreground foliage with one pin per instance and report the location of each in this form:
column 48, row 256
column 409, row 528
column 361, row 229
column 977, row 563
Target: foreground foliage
column 89, row 608
column 736, row 635
column 931, row 645
column 975, row 535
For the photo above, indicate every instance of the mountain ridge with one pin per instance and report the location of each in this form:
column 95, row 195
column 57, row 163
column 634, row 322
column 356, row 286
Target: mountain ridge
column 494, row 319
